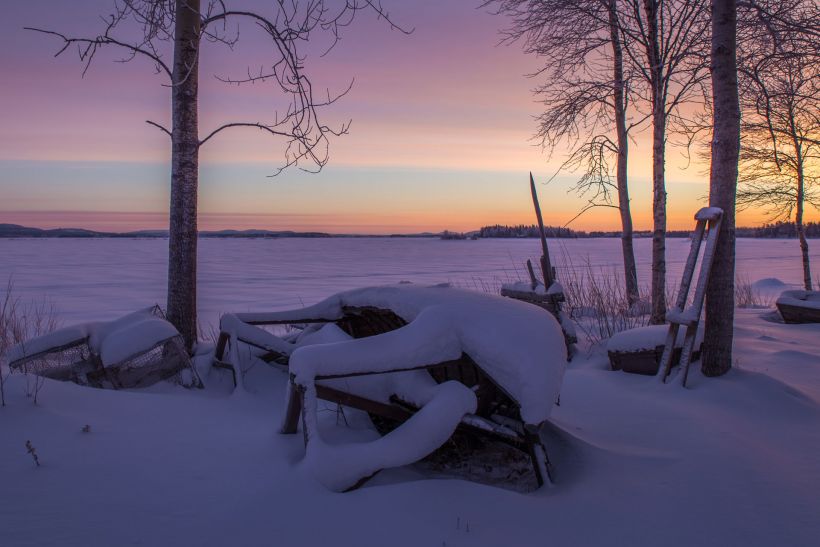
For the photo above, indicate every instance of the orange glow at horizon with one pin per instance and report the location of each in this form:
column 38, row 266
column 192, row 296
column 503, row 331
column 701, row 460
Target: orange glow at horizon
column 434, row 145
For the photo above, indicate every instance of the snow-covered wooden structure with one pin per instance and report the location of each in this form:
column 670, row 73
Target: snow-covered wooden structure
column 134, row 351
column 799, row 306
column 426, row 361
column 633, row 351
column 640, row 350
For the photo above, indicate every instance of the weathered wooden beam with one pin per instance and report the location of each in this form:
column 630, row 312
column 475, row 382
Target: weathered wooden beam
column 361, row 403
column 293, row 410
column 546, row 264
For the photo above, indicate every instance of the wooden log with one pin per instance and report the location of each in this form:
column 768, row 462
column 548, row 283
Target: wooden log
column 334, row 395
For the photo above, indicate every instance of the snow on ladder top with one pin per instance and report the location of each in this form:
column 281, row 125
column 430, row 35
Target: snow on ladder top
column 689, row 316
column 709, row 213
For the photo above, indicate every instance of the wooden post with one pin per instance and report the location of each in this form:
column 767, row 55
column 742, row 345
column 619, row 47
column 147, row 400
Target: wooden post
column 533, row 281
column 546, row 265
column 293, row 408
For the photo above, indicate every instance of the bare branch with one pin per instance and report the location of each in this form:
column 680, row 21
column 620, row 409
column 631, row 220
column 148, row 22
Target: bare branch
column 160, row 127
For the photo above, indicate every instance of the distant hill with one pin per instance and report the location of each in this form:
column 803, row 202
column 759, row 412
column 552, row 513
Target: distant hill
column 777, row 230
column 17, row 231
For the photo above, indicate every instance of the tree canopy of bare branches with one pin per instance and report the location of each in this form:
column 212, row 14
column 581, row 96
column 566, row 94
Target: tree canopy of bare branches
column 170, row 34
column 780, row 100
column 585, row 91
column 670, row 54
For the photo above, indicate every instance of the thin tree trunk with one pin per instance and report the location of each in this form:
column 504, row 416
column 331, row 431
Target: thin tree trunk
column 720, row 295
column 798, row 218
column 182, row 243
column 658, row 151
column 630, row 270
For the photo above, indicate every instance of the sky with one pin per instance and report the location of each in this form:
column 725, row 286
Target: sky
column 440, row 137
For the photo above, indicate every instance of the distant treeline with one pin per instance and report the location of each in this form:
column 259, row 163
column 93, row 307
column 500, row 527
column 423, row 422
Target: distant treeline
column 527, row 231
column 780, row 230
column 776, row 230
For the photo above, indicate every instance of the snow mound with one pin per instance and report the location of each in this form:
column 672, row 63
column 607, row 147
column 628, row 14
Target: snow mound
column 768, row 283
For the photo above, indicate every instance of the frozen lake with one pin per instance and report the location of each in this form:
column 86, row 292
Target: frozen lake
column 90, row 279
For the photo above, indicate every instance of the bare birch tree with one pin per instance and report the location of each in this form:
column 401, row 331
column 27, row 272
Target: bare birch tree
column 670, row 55
column 720, row 295
column 586, row 98
column 780, row 101
column 170, row 35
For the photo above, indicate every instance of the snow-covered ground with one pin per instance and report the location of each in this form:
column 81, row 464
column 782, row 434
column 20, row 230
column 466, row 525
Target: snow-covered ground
column 728, row 461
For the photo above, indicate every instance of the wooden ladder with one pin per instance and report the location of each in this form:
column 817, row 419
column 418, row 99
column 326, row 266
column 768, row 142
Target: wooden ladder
column 708, row 226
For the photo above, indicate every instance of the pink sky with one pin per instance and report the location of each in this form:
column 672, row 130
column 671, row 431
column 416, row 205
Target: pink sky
column 440, row 135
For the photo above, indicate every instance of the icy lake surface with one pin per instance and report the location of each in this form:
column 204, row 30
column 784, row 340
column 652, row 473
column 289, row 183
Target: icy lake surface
column 98, row 279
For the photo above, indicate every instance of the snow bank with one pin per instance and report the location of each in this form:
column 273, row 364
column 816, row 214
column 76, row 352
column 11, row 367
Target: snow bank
column 768, row 283
column 520, row 346
column 648, row 338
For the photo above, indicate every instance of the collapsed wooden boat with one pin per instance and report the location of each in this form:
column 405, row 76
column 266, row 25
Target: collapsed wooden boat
column 799, row 306
column 424, row 362
column 134, row 351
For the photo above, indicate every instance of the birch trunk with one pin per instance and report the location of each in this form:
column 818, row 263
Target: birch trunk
column 182, row 243
column 798, row 220
column 630, row 270
column 720, row 295
column 658, row 152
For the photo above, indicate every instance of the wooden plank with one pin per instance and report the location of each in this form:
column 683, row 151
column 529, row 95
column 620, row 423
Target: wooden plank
column 334, row 395
column 219, row 352
column 294, row 321
column 398, row 369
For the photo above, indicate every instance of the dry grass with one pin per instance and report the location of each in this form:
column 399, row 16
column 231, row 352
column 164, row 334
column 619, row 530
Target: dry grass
column 20, row 321
column 596, row 299
column 747, row 296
